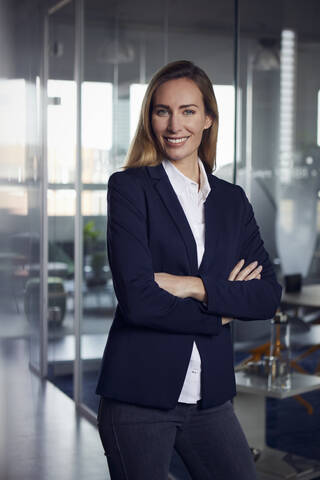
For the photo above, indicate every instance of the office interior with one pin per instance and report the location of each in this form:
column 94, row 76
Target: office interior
column 72, row 77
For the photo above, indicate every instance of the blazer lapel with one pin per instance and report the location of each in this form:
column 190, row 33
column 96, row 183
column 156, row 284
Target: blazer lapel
column 175, row 210
column 168, row 196
column 212, row 211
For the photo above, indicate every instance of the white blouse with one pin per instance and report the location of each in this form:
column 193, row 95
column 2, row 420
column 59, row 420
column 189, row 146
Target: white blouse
column 192, row 202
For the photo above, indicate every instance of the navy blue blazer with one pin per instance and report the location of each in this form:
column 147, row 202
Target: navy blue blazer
column 150, row 341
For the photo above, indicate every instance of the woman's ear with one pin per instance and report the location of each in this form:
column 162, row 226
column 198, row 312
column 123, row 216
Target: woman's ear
column 208, row 122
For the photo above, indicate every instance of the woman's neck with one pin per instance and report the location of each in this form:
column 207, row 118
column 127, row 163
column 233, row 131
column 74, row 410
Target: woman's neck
column 189, row 168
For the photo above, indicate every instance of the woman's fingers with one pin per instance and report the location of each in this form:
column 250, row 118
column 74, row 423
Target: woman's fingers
column 255, row 274
column 250, row 272
column 236, row 270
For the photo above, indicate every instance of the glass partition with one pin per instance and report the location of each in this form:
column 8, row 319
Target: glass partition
column 61, row 195
column 20, row 177
column 279, row 67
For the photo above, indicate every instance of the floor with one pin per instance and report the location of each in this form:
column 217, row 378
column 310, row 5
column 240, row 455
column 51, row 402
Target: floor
column 41, row 435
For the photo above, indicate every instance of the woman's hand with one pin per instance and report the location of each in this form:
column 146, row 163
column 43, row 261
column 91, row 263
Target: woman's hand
column 251, row 272
column 177, row 285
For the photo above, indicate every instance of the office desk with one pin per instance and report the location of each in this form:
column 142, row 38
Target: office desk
column 309, row 296
column 250, row 407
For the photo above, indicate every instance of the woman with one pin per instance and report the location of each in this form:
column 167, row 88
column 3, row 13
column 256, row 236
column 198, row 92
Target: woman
column 186, row 258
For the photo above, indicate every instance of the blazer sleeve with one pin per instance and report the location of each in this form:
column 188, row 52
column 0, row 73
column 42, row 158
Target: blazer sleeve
column 246, row 300
column 140, row 299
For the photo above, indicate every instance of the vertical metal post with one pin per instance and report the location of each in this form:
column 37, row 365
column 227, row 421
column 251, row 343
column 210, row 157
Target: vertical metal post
column 115, row 106
column 249, row 113
column 142, row 59
column 78, row 231
column 166, row 32
column 236, row 85
column 43, row 206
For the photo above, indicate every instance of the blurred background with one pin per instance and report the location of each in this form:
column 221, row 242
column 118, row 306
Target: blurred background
column 72, row 78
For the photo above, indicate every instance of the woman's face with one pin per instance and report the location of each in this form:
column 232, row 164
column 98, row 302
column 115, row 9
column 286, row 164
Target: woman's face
column 179, row 118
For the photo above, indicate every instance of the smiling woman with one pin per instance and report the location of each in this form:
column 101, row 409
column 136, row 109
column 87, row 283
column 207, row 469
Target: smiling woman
column 185, row 252
column 178, row 90
column 178, row 126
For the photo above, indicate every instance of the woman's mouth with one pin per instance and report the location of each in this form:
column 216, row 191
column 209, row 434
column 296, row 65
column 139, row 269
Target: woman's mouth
column 175, row 141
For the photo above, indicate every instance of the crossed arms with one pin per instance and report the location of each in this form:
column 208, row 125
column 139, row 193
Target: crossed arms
column 143, row 302
column 188, row 286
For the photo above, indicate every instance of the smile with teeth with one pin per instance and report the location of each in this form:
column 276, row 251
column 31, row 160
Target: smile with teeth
column 176, row 140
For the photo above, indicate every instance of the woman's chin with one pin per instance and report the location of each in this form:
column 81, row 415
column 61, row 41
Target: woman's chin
column 175, row 156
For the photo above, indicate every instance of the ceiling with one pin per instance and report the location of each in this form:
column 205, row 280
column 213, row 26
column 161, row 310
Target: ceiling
column 257, row 17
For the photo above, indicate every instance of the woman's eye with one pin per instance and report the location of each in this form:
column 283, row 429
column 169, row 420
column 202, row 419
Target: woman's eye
column 189, row 112
column 161, row 112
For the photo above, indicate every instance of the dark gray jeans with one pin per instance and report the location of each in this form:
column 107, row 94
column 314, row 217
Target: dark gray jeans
column 139, row 441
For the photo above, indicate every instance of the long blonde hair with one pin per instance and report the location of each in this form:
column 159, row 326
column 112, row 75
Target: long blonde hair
column 143, row 148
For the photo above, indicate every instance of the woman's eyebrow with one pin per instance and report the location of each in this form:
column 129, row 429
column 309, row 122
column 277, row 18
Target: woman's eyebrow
column 190, row 105
column 160, row 105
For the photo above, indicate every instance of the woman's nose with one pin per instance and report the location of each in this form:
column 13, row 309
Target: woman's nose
column 174, row 123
